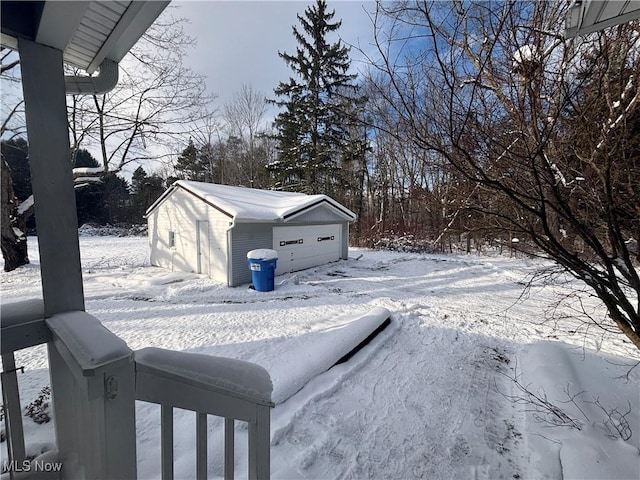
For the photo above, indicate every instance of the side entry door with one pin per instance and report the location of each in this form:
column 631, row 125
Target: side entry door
column 202, row 246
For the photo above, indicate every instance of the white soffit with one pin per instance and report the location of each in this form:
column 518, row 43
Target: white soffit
column 588, row 16
column 88, row 32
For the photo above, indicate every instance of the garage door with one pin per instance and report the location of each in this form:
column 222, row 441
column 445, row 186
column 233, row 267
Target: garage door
column 301, row 247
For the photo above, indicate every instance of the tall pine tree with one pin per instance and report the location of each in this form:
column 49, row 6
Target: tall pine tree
column 194, row 164
column 313, row 130
column 145, row 190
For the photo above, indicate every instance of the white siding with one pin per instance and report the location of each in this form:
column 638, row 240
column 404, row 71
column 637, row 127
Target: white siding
column 219, row 224
column 179, row 213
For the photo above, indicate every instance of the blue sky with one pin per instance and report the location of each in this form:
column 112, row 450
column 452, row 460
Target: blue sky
column 238, row 42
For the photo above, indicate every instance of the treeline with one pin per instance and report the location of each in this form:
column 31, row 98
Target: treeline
column 104, row 199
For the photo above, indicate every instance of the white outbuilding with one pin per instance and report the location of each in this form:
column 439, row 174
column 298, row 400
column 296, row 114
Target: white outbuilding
column 208, row 228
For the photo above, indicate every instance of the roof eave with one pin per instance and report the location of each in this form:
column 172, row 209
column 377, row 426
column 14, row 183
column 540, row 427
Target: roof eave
column 344, row 212
column 180, row 185
column 588, row 16
column 135, row 21
column 55, row 24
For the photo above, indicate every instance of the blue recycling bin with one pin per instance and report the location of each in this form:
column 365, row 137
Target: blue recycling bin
column 262, row 263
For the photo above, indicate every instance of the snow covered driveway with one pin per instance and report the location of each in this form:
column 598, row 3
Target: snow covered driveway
column 428, row 398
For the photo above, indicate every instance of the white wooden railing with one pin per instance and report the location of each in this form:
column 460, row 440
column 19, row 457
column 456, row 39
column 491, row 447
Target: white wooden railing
column 95, row 380
column 224, row 387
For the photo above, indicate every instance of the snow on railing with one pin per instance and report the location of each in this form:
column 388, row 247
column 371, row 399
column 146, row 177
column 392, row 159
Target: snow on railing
column 224, row 387
column 95, row 380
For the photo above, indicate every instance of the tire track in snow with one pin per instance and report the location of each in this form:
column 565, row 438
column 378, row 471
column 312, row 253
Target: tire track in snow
column 420, row 379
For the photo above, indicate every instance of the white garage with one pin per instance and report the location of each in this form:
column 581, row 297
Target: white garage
column 207, row 228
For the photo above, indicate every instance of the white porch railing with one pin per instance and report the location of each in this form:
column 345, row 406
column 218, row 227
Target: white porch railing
column 95, row 380
column 224, row 387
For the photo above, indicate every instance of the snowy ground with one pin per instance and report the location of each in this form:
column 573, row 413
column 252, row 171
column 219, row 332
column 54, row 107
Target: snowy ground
column 431, row 397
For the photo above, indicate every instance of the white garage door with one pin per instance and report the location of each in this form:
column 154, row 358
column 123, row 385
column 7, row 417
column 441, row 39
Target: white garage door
column 302, row 247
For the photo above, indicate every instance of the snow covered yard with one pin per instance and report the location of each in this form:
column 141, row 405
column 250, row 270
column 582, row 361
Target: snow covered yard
column 430, row 397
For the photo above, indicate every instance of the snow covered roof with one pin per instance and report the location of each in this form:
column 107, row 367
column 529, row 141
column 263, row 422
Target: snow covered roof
column 254, row 205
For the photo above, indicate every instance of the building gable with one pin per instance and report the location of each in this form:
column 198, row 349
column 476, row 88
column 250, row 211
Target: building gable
column 176, row 187
column 322, row 212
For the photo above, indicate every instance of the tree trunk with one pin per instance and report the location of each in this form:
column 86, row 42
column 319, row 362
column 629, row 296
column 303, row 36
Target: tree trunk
column 14, row 235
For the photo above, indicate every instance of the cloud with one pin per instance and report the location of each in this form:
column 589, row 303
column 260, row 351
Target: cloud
column 238, row 42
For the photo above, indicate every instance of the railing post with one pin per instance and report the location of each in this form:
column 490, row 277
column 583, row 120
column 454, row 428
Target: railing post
column 260, row 444
column 94, row 395
column 95, row 419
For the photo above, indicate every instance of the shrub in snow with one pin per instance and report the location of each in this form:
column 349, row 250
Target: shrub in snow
column 406, row 243
column 38, row 410
column 117, row 230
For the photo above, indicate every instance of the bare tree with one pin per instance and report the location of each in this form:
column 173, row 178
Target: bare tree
column 244, row 116
column 14, row 214
column 12, row 105
column 544, row 130
column 13, row 221
column 157, row 101
column 156, row 104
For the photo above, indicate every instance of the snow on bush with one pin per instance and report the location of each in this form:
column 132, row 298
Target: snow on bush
column 117, row 230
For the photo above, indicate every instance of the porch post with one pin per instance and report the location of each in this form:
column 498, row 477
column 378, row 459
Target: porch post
column 51, row 178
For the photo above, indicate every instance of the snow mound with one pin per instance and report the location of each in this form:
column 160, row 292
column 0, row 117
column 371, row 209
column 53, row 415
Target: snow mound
column 319, row 352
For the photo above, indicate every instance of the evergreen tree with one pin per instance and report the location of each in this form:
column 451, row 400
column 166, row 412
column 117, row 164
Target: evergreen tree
column 192, row 165
column 138, row 180
column 145, row 190
column 90, row 203
column 116, row 198
column 153, row 188
column 83, row 158
column 313, row 131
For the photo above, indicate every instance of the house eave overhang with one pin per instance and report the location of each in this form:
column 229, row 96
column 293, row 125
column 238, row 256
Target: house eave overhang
column 588, row 16
column 87, row 32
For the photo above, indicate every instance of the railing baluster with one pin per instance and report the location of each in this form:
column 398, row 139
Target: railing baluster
column 13, row 414
column 166, row 442
column 229, row 445
column 201, row 446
